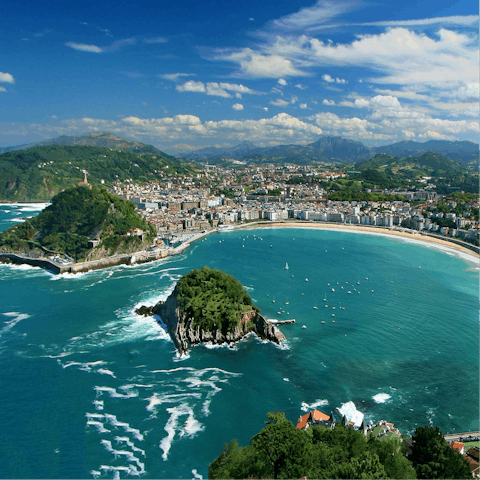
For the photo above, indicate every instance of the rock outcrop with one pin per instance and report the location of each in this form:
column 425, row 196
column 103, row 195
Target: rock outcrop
column 185, row 334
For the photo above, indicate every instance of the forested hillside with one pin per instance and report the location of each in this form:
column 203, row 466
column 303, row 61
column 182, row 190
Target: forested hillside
column 75, row 217
column 37, row 174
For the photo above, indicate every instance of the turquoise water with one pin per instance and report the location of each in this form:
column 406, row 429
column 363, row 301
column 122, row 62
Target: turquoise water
column 89, row 389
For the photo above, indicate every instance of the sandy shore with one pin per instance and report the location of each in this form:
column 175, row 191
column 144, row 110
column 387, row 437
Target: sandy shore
column 462, row 251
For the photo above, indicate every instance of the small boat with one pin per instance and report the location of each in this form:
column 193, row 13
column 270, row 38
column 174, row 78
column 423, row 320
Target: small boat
column 333, row 289
column 333, row 308
column 271, row 246
column 304, row 326
column 341, row 287
column 292, row 276
column 326, row 306
column 306, row 279
column 273, row 301
column 286, row 303
column 419, row 267
column 323, row 321
column 316, row 308
column 349, row 292
column 286, row 266
column 333, row 314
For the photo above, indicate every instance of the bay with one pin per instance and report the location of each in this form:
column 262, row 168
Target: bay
column 90, row 389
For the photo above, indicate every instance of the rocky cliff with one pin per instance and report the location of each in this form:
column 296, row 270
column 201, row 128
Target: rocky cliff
column 185, row 334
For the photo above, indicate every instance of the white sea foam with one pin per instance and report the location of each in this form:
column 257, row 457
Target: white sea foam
column 130, row 444
column 157, row 399
column 112, row 419
column 173, row 370
column 99, row 425
column 104, row 371
column 286, row 379
column 196, row 474
column 95, row 473
column 351, row 413
column 17, row 317
column 124, row 453
column 98, row 404
column 85, row 366
column 317, row 403
column 190, row 428
column 113, row 392
column 381, row 397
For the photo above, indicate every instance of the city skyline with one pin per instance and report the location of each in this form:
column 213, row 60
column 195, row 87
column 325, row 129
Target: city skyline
column 190, row 75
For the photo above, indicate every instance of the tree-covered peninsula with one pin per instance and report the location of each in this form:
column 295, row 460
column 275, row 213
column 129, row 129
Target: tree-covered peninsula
column 280, row 450
column 83, row 223
column 211, row 306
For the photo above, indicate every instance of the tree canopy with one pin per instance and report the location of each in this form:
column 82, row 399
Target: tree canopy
column 214, row 299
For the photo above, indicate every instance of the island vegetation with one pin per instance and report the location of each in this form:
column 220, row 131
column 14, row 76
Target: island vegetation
column 81, row 221
column 280, row 450
column 214, row 299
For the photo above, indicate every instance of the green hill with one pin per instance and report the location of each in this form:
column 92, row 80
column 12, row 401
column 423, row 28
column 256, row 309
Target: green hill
column 75, row 217
column 38, row 173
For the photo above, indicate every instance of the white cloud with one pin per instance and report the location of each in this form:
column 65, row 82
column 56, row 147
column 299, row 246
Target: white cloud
column 174, row 77
column 266, row 109
column 192, row 86
column 2, row 89
column 294, row 99
column 279, row 102
column 256, row 65
column 84, row 48
column 452, row 20
column 330, row 79
column 6, row 78
column 328, row 102
column 237, row 106
column 215, row 89
column 400, row 56
column 282, row 82
column 303, row 106
column 323, row 11
column 300, row 86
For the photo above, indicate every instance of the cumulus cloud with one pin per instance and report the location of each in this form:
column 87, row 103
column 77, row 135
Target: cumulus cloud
column 215, row 89
column 6, row 78
column 2, row 89
column 328, row 102
column 282, row 82
column 82, row 47
column 237, row 106
column 303, row 106
column 192, row 86
column 278, row 102
column 330, row 79
column 294, row 99
column 300, row 86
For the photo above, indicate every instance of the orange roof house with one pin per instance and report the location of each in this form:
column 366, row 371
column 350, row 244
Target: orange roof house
column 458, row 446
column 312, row 418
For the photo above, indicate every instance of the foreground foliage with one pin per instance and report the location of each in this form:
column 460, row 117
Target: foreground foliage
column 75, row 216
column 214, row 299
column 281, row 451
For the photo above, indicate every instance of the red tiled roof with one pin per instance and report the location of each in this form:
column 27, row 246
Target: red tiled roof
column 318, row 415
column 457, row 446
column 302, row 421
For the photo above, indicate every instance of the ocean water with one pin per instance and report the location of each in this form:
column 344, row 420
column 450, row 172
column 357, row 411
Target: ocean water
column 91, row 390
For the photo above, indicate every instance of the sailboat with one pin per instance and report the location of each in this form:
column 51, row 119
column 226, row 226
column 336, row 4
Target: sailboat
column 286, row 266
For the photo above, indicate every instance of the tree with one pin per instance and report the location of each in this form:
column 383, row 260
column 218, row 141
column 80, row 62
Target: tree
column 432, row 457
column 282, row 448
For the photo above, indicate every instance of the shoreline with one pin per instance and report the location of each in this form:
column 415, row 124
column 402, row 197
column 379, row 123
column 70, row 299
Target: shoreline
column 468, row 253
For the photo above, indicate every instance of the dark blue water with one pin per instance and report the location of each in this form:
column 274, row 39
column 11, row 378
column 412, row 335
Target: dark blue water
column 89, row 389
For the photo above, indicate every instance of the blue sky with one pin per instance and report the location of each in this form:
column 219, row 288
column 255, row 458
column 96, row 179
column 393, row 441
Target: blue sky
column 186, row 74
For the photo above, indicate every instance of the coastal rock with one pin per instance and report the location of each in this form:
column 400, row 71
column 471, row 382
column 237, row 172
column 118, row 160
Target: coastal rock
column 185, row 334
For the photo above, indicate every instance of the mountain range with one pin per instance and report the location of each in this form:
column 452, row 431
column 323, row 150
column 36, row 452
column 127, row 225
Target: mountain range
column 336, row 149
column 325, row 149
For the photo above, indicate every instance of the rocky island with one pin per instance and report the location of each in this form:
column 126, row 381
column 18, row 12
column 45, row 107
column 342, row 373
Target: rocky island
column 211, row 306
